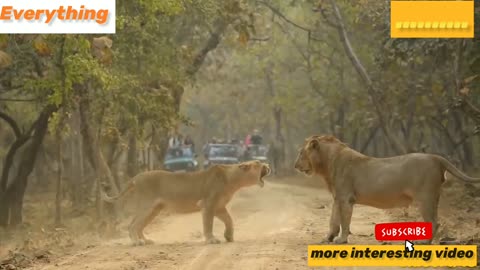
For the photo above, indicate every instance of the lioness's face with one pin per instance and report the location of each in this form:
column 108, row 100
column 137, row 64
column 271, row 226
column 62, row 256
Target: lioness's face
column 307, row 154
column 255, row 171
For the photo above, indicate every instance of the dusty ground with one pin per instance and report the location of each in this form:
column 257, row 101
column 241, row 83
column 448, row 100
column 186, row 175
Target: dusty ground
column 273, row 227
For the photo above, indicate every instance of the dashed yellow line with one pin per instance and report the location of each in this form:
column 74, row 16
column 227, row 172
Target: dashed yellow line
column 432, row 25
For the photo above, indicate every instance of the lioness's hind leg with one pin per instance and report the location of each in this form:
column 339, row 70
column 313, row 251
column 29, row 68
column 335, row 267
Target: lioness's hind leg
column 428, row 206
column 208, row 212
column 225, row 217
column 146, row 218
column 132, row 232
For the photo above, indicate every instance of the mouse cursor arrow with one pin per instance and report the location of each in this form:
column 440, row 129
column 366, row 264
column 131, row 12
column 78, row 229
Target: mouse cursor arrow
column 408, row 245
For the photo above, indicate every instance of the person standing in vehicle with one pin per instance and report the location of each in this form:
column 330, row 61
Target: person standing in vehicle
column 174, row 141
column 256, row 137
column 189, row 142
column 248, row 140
column 241, row 149
column 206, row 147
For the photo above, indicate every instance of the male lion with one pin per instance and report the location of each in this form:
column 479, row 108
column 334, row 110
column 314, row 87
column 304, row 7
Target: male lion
column 354, row 178
column 208, row 190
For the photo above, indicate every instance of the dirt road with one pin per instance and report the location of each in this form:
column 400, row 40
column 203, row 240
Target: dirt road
column 273, row 226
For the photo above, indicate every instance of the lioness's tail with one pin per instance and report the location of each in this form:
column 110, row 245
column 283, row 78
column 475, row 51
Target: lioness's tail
column 456, row 172
column 130, row 186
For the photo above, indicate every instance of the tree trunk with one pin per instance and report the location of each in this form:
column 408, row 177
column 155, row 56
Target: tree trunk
column 372, row 91
column 354, row 141
column 373, row 133
column 153, row 149
column 458, row 76
column 59, row 141
column 94, row 155
column 375, row 145
column 19, row 142
column 60, row 172
column 279, row 145
column 411, row 105
column 59, row 195
column 132, row 156
column 342, row 108
column 5, row 194
column 177, row 90
column 12, row 206
column 77, row 174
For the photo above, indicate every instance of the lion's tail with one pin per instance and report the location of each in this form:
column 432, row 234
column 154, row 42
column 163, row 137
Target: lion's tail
column 130, row 186
column 456, row 172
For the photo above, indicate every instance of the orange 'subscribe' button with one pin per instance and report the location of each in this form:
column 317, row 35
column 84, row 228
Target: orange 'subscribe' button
column 401, row 231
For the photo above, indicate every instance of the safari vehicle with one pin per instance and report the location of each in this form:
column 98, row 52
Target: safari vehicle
column 221, row 154
column 256, row 152
column 180, row 159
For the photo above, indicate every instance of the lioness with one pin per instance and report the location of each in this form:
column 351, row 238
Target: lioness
column 354, row 178
column 208, row 190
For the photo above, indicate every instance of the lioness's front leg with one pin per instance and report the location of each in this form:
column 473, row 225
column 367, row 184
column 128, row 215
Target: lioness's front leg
column 225, row 217
column 345, row 205
column 334, row 223
column 208, row 212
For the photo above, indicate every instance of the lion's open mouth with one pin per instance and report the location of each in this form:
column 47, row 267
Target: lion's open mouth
column 306, row 171
column 265, row 172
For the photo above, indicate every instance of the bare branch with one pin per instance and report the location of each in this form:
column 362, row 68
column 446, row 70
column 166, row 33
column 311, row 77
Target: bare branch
column 13, row 124
column 470, row 110
column 3, row 89
column 279, row 14
column 18, row 100
column 348, row 47
column 305, row 57
column 260, row 39
column 211, row 44
column 463, row 139
column 317, row 39
column 371, row 89
column 293, row 40
column 328, row 21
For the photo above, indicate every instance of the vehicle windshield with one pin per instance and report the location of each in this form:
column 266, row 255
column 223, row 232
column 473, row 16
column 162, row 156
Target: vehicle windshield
column 179, row 152
column 258, row 150
column 222, row 151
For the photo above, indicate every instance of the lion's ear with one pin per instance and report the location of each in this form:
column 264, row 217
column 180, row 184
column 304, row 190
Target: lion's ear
column 244, row 167
column 313, row 144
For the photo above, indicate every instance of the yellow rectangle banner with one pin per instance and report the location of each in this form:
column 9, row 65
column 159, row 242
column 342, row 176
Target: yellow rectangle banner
column 393, row 255
column 431, row 19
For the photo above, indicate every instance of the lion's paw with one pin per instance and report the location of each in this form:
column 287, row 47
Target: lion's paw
column 212, row 240
column 228, row 237
column 324, row 241
column 340, row 241
column 138, row 242
column 149, row 242
column 327, row 239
